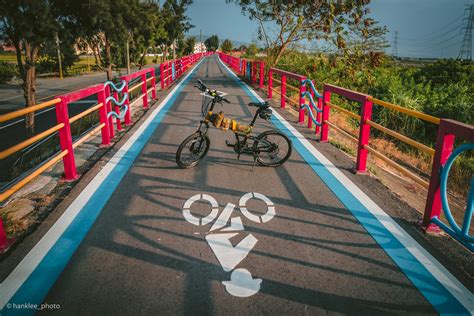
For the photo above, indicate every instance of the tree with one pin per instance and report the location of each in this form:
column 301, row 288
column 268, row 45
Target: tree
column 28, row 24
column 148, row 31
column 176, row 22
column 189, row 45
column 212, row 43
column 227, row 46
column 103, row 24
column 283, row 23
column 252, row 50
column 364, row 51
column 66, row 46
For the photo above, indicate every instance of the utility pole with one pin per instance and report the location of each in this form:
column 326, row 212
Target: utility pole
column 465, row 52
column 59, row 58
column 200, row 41
column 395, row 45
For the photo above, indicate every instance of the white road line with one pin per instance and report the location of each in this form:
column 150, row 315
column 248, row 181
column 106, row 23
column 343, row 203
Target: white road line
column 23, row 270
column 456, row 288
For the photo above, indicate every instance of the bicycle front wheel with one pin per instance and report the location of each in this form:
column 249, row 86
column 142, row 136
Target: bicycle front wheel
column 191, row 150
column 272, row 148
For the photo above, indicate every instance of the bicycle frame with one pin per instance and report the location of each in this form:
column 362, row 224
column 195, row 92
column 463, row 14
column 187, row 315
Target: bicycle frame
column 241, row 146
column 264, row 150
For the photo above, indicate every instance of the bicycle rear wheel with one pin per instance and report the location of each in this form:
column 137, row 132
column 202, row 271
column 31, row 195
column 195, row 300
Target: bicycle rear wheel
column 272, row 148
column 191, row 150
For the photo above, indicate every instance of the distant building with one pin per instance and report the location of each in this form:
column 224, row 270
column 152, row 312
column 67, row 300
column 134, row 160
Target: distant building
column 200, row 47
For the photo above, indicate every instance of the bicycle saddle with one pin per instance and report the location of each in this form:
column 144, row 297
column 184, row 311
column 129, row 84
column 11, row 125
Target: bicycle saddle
column 263, row 105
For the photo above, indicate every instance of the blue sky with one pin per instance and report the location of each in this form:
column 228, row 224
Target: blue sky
column 427, row 28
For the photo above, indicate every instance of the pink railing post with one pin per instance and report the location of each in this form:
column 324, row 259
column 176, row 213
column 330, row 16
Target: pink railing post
column 117, row 110
column 103, row 119
column 65, row 139
column 301, row 100
column 165, row 75
column 162, row 76
column 128, row 115
column 444, row 148
column 318, row 114
column 310, row 121
column 254, row 68
column 178, row 68
column 270, row 84
column 326, row 109
column 262, row 74
column 144, row 91
column 169, row 74
column 283, row 91
column 109, row 109
column 153, row 84
column 364, row 136
column 5, row 242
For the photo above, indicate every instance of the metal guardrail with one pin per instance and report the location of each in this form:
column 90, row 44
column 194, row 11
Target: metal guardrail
column 437, row 201
column 448, row 129
column 105, row 126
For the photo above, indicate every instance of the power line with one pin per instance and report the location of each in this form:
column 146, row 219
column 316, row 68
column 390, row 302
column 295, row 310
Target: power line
column 423, row 37
column 437, row 48
column 436, row 44
column 465, row 52
column 457, row 27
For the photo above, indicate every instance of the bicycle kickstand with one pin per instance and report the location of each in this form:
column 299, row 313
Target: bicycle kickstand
column 254, row 162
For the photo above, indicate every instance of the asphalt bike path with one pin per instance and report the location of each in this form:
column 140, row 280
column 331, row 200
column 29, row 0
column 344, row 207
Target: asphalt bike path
column 222, row 237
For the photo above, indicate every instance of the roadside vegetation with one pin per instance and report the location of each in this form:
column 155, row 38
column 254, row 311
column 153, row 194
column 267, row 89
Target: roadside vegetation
column 348, row 51
column 39, row 29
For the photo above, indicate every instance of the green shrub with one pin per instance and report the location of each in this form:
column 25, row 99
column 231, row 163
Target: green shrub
column 7, row 71
column 46, row 64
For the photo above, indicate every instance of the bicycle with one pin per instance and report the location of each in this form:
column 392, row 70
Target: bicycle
column 270, row 148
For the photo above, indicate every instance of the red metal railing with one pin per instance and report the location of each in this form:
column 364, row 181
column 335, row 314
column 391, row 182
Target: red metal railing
column 257, row 70
column 64, row 121
column 172, row 70
column 144, row 79
column 448, row 130
column 364, row 130
column 283, row 89
column 233, row 62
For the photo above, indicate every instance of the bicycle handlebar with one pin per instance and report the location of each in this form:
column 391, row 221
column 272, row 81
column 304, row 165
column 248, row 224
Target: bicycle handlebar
column 202, row 87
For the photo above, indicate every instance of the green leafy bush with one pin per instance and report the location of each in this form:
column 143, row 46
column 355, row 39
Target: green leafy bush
column 7, row 71
column 442, row 89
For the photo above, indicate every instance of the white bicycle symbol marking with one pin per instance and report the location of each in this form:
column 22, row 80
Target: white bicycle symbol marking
column 241, row 283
